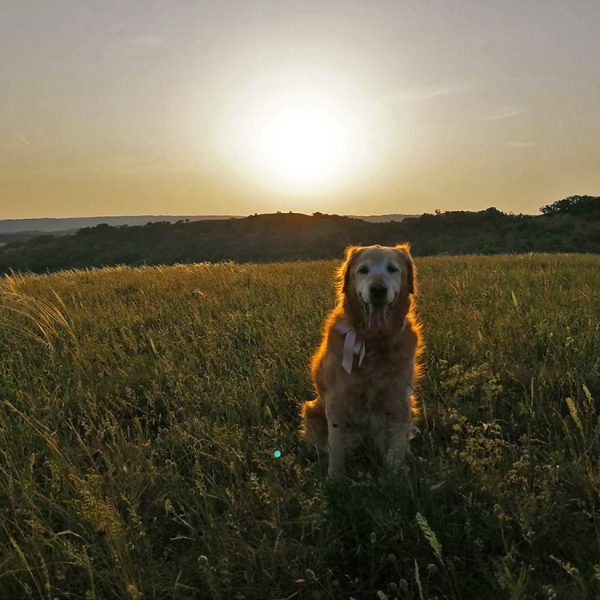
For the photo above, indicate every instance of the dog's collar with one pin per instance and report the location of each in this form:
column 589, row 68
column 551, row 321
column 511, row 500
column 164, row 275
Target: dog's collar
column 353, row 344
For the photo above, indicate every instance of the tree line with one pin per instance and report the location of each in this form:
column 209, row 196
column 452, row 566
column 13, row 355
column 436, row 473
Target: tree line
column 568, row 225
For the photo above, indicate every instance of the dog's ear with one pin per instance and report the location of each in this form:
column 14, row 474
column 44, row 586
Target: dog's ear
column 343, row 279
column 404, row 249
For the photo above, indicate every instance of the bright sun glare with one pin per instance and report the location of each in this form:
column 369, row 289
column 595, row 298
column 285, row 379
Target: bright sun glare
column 304, row 146
column 300, row 134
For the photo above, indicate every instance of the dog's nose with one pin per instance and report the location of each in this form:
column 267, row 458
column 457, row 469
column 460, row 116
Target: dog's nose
column 378, row 293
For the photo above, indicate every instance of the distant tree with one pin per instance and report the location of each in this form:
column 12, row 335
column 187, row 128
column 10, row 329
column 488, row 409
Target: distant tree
column 573, row 205
column 293, row 237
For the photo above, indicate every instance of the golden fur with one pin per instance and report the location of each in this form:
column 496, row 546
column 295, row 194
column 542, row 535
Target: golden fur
column 377, row 397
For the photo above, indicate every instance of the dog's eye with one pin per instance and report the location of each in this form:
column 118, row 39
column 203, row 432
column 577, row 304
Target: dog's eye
column 392, row 269
column 364, row 270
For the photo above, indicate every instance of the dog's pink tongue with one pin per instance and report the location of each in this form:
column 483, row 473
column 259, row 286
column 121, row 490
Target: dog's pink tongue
column 375, row 322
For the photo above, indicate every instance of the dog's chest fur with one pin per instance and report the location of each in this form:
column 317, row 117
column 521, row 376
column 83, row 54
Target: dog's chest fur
column 378, row 387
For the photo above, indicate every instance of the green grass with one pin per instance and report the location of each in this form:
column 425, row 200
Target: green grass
column 140, row 410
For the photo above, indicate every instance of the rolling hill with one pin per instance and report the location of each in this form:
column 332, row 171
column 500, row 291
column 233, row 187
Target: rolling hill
column 291, row 236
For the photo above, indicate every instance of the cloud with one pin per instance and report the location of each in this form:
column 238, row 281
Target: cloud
column 524, row 144
column 505, row 112
column 146, row 41
column 23, row 139
column 424, row 93
column 137, row 44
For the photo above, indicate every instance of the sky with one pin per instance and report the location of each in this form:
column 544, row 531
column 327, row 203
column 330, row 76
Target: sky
column 237, row 107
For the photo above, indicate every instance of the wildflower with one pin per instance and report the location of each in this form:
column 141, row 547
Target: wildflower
column 310, row 575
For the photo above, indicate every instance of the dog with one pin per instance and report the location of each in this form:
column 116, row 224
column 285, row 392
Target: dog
column 365, row 368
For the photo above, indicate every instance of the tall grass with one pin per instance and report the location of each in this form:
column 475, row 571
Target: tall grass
column 140, row 411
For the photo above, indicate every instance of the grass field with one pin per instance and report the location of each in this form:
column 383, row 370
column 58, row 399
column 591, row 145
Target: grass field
column 140, row 410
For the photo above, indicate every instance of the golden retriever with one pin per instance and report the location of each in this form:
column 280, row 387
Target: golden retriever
column 365, row 369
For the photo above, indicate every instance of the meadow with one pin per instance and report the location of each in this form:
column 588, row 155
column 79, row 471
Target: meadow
column 141, row 409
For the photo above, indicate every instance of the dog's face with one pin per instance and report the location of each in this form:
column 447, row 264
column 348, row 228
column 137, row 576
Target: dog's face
column 375, row 278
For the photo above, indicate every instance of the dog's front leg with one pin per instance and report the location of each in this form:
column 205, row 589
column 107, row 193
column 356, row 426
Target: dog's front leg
column 400, row 425
column 336, row 446
column 398, row 447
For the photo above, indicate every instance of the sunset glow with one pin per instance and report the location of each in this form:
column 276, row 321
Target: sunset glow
column 303, row 134
column 235, row 107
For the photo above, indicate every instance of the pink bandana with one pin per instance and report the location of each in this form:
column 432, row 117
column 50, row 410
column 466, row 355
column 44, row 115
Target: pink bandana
column 353, row 344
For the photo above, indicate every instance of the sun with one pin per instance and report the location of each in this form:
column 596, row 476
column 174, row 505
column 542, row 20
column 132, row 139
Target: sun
column 304, row 146
column 300, row 135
